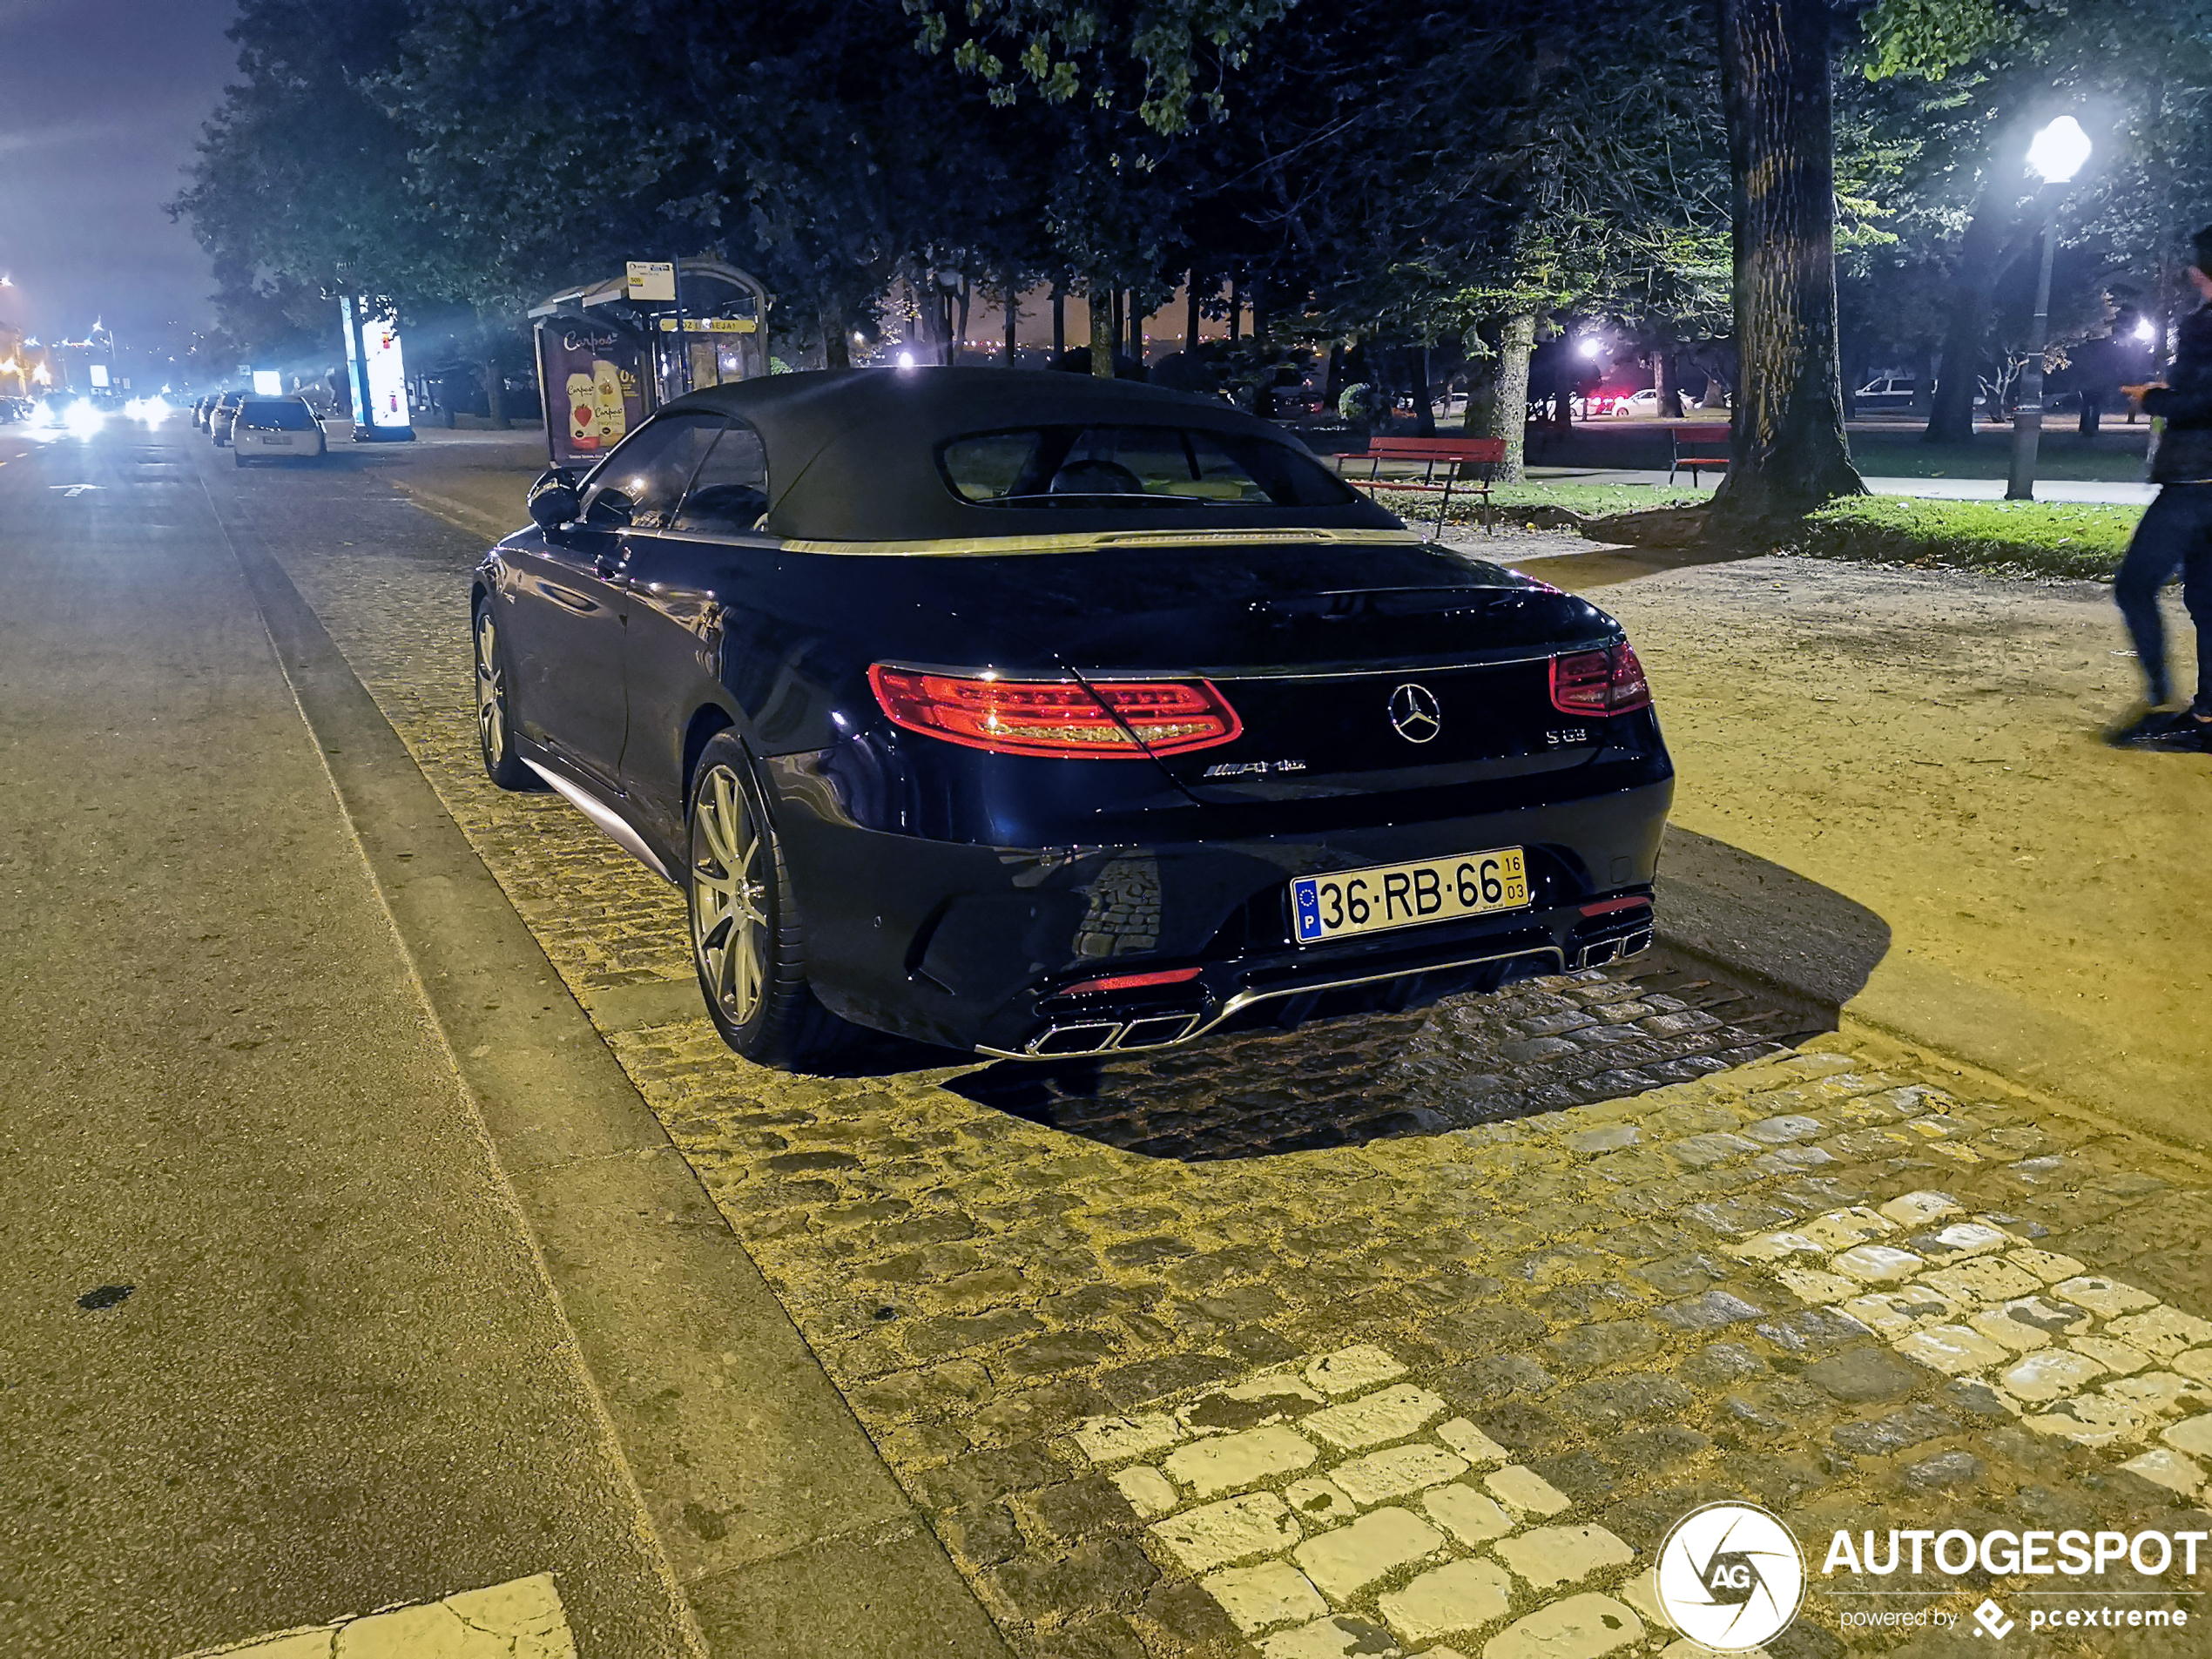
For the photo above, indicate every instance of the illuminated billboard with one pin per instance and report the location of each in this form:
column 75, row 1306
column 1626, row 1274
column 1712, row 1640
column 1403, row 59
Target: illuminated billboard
column 377, row 372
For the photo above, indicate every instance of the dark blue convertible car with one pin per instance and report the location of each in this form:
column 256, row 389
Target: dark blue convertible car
column 1034, row 716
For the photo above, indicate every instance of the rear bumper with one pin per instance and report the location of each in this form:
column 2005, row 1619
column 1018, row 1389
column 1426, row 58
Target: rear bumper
column 974, row 947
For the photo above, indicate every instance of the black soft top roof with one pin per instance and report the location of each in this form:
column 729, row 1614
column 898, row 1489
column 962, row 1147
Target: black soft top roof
column 852, row 451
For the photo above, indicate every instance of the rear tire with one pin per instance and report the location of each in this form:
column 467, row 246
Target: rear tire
column 495, row 717
column 747, row 944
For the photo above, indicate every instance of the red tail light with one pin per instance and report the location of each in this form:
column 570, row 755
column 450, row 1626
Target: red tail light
column 1131, row 981
column 1599, row 682
column 1058, row 717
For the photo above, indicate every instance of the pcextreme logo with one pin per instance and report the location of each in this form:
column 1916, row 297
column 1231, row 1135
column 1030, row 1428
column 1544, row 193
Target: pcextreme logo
column 1730, row 1576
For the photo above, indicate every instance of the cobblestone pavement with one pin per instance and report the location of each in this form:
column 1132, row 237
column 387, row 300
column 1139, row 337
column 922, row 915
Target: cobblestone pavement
column 1412, row 1334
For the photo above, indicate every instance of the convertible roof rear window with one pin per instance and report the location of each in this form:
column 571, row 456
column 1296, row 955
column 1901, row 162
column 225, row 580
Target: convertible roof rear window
column 1139, row 468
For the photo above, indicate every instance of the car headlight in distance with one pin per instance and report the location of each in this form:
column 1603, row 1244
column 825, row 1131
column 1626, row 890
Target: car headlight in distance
column 1600, row 682
column 82, row 420
column 1057, row 717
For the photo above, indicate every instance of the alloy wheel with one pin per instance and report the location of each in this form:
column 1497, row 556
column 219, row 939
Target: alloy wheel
column 491, row 689
column 729, row 895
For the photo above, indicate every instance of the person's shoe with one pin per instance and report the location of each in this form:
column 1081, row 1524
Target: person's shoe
column 2150, row 723
column 2182, row 734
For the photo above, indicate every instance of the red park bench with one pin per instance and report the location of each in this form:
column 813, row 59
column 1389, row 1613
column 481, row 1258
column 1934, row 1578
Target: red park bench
column 1696, row 447
column 1455, row 456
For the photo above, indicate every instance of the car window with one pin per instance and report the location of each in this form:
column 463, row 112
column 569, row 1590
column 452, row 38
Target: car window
column 640, row 484
column 729, row 493
column 283, row 415
column 1109, row 467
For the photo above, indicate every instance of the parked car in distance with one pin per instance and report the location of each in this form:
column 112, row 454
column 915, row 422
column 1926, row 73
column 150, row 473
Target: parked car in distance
column 218, row 417
column 1034, row 714
column 1887, row 394
column 199, row 410
column 265, row 429
column 1644, row 402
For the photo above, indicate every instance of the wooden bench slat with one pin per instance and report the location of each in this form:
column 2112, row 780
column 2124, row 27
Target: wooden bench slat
column 1452, row 453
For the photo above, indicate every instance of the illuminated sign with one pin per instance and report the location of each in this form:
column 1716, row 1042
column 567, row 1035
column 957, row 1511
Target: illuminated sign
column 99, row 373
column 711, row 325
column 376, row 372
column 651, row 280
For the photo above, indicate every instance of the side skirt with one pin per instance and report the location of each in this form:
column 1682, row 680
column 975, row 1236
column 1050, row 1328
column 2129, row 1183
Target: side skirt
column 604, row 817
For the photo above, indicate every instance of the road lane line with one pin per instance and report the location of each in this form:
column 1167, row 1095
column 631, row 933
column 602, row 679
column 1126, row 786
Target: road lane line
column 522, row 1618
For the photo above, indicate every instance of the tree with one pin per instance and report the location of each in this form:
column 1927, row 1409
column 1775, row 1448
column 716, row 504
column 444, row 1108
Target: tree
column 1790, row 453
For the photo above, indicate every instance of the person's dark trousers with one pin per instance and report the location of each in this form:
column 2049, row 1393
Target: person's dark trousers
column 2176, row 534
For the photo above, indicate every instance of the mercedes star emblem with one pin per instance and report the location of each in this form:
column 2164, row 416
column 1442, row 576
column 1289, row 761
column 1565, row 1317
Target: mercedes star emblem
column 1414, row 714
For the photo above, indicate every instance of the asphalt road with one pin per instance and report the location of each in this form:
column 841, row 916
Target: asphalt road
column 275, row 1347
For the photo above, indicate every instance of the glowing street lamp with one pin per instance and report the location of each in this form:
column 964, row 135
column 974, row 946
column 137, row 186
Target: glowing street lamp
column 2055, row 156
column 2146, row 331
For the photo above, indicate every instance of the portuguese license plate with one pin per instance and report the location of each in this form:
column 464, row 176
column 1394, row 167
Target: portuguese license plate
column 1405, row 896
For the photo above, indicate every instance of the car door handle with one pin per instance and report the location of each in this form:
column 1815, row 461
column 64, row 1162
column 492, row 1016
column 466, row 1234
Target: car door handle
column 566, row 596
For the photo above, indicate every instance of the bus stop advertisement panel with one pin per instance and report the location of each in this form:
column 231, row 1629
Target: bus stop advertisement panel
column 595, row 394
column 377, row 372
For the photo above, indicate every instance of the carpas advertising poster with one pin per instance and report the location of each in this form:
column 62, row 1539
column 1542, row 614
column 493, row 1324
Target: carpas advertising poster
column 594, row 390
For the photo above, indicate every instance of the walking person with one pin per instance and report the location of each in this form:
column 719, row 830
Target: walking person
column 2176, row 531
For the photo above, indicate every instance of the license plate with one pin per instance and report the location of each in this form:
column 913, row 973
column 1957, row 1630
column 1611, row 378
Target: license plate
column 1405, row 896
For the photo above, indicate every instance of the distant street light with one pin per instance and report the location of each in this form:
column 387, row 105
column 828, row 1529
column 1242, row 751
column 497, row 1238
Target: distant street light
column 2055, row 156
column 2145, row 331
column 1591, row 346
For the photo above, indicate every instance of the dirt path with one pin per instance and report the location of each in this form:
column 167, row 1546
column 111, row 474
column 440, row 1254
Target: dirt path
column 1925, row 743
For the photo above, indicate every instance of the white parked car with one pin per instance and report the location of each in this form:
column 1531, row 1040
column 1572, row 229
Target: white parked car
column 268, row 427
column 1643, row 402
column 1886, row 394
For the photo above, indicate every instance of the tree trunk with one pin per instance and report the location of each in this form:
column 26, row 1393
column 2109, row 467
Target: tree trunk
column 959, row 326
column 1666, row 382
column 1332, row 380
column 1013, row 317
column 1424, row 406
column 1507, row 415
column 1982, row 259
column 1059, row 324
column 1191, row 313
column 1100, row 306
column 1788, row 453
column 836, row 349
column 494, row 395
column 1136, row 328
column 1236, row 312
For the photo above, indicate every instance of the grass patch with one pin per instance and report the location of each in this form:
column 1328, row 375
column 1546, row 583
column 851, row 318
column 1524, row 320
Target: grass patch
column 2045, row 538
column 2114, row 455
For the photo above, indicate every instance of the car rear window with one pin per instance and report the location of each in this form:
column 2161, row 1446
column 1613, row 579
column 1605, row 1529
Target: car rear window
column 1097, row 467
column 286, row 416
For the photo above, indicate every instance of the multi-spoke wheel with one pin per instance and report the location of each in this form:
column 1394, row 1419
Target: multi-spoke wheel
column 745, row 938
column 495, row 725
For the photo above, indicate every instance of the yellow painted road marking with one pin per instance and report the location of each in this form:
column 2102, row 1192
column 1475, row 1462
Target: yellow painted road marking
column 521, row 1620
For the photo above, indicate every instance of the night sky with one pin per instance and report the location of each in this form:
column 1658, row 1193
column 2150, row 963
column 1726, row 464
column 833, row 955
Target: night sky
column 101, row 102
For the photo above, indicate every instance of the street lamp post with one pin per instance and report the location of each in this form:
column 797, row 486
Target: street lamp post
column 2054, row 157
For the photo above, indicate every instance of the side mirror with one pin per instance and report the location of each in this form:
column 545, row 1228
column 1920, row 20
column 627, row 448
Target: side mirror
column 553, row 501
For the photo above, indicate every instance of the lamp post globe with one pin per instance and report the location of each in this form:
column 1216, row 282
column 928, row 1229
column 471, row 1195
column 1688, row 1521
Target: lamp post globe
column 2054, row 155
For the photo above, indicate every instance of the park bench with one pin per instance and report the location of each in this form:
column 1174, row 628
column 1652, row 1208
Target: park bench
column 1454, row 454
column 1696, row 448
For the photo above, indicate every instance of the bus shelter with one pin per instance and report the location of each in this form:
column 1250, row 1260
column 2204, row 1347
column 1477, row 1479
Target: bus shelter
column 606, row 360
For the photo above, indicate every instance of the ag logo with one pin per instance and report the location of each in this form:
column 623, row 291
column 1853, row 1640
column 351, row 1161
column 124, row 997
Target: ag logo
column 1414, row 713
column 1730, row 1576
